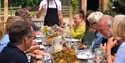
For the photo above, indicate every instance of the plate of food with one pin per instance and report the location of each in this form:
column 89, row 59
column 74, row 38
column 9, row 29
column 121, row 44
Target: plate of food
column 65, row 56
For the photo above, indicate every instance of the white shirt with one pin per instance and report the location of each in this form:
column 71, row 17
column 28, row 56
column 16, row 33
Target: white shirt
column 52, row 4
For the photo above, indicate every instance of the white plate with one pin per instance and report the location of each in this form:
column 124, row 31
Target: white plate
column 42, row 47
column 38, row 40
column 37, row 36
column 73, row 40
column 83, row 56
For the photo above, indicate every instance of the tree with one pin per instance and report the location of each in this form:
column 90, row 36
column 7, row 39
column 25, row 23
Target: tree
column 23, row 3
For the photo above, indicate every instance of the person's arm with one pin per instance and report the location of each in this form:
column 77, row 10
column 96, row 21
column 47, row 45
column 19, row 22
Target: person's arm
column 111, row 42
column 60, row 17
column 109, row 56
column 59, row 28
column 39, row 12
column 77, row 33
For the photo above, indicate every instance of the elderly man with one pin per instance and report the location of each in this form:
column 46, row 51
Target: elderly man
column 21, row 36
column 105, row 30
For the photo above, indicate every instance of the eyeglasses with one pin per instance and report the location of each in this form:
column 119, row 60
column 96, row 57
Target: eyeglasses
column 31, row 37
column 92, row 23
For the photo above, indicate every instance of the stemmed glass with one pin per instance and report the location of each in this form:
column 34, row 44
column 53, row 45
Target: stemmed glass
column 90, row 56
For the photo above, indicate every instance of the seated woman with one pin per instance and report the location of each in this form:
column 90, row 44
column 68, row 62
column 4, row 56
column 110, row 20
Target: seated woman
column 78, row 28
column 88, row 36
column 5, row 38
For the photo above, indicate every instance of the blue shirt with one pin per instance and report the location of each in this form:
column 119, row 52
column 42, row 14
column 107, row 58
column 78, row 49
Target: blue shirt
column 97, row 41
column 120, row 55
column 12, row 54
column 4, row 41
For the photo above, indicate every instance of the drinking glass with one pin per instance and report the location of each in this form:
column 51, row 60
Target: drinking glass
column 76, row 47
column 99, row 55
column 90, row 57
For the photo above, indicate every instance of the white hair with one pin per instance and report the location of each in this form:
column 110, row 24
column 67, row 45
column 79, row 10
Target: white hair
column 95, row 16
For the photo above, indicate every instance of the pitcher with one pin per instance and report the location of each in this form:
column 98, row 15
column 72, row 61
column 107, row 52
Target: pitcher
column 57, row 43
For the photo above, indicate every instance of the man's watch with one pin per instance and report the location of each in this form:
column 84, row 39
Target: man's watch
column 39, row 59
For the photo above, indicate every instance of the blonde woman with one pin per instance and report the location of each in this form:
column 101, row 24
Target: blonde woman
column 118, row 30
column 1, row 30
column 4, row 41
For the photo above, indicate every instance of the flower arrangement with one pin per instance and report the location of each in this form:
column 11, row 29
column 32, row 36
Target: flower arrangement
column 46, row 30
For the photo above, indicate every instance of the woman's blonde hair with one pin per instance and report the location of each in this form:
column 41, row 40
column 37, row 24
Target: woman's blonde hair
column 118, row 27
column 11, row 20
column 95, row 16
column 1, row 30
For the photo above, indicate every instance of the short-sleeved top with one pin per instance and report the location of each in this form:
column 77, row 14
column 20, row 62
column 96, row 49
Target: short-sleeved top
column 51, row 5
column 12, row 54
column 120, row 55
column 77, row 31
column 4, row 41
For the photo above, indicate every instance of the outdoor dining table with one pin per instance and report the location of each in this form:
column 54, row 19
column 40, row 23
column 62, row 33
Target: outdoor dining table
column 48, row 49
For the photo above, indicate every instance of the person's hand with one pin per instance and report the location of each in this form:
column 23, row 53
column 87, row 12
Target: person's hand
column 103, row 46
column 44, row 6
column 36, row 47
column 37, row 54
column 34, row 43
column 56, row 27
column 70, row 25
column 111, row 42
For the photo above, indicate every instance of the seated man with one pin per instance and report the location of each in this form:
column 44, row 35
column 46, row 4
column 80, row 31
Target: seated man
column 24, row 13
column 21, row 36
column 105, row 30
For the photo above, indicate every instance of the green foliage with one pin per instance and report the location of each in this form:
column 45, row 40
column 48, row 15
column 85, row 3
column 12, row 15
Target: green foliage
column 74, row 5
column 23, row 3
column 121, row 1
column 111, row 8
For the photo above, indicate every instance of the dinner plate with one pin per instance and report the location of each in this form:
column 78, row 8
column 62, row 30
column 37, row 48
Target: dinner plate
column 42, row 47
column 38, row 40
column 73, row 40
column 83, row 56
column 37, row 36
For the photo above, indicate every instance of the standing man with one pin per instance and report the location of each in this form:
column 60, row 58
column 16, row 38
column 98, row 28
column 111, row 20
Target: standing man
column 52, row 12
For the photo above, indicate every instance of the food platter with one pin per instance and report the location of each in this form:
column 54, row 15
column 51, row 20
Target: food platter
column 65, row 56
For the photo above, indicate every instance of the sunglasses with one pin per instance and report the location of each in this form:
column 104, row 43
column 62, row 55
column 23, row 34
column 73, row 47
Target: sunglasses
column 92, row 23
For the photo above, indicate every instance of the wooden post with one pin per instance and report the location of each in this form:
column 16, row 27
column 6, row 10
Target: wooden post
column 105, row 5
column 84, row 5
column 5, row 10
column 71, row 14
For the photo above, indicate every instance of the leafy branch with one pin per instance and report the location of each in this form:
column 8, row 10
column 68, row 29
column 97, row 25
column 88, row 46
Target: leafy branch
column 74, row 5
